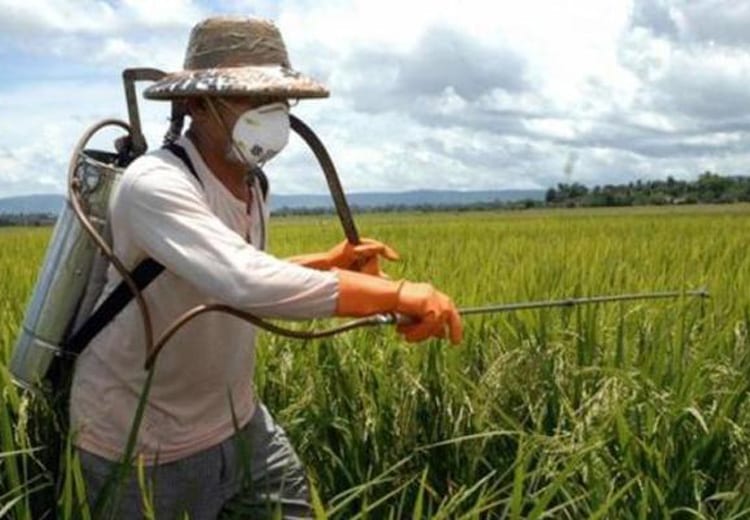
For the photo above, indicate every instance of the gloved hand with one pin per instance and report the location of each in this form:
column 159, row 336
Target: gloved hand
column 363, row 257
column 433, row 312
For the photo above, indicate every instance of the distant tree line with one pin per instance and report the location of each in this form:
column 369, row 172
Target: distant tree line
column 27, row 219
column 709, row 188
column 417, row 208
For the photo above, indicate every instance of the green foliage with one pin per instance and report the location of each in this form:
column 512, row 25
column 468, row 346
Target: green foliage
column 631, row 410
column 27, row 219
column 709, row 188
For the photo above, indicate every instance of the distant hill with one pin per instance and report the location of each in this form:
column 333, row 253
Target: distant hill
column 54, row 203
column 32, row 204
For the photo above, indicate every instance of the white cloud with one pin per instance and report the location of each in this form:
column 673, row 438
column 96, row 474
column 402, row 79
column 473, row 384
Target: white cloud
column 457, row 93
column 712, row 21
column 37, row 18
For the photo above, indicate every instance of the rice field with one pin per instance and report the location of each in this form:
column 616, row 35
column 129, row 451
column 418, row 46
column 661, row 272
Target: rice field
column 626, row 410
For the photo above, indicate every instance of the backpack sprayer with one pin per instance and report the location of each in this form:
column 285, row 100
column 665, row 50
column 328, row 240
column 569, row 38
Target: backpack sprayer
column 73, row 273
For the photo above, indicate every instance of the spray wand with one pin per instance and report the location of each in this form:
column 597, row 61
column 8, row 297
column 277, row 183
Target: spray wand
column 343, row 210
column 352, row 235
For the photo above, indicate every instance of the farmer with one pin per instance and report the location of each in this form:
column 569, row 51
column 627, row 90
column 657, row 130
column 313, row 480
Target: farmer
column 202, row 218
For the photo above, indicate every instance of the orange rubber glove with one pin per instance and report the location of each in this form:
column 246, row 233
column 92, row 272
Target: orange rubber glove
column 434, row 313
column 363, row 257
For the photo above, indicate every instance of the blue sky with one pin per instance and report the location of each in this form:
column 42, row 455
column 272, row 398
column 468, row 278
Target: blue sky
column 448, row 94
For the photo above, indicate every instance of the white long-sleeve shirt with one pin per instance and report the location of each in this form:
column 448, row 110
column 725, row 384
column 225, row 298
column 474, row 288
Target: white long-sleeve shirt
column 198, row 233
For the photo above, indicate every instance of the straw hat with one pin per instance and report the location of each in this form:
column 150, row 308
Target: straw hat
column 236, row 56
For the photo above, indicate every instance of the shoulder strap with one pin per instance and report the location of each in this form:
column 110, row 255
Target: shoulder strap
column 143, row 274
column 180, row 152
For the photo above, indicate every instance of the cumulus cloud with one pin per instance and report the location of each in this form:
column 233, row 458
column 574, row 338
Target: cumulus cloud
column 98, row 32
column 443, row 62
column 706, row 84
column 464, row 94
column 713, row 21
column 656, row 16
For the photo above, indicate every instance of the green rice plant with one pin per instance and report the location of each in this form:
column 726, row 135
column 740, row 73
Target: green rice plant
column 628, row 410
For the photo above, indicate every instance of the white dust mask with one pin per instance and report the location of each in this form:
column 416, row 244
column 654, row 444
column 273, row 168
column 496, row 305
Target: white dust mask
column 262, row 132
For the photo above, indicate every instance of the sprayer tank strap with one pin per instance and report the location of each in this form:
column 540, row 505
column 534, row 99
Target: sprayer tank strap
column 180, row 152
column 143, row 274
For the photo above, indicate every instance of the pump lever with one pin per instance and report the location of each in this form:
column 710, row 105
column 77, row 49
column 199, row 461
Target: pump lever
column 129, row 76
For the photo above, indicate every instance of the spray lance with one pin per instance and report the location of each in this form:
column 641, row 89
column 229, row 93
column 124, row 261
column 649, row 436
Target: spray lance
column 352, row 235
column 73, row 273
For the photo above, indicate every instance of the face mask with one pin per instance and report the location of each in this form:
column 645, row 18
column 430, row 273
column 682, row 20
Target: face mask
column 260, row 133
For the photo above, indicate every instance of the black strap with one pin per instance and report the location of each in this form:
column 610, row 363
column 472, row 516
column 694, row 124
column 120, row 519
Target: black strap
column 263, row 180
column 180, row 152
column 143, row 274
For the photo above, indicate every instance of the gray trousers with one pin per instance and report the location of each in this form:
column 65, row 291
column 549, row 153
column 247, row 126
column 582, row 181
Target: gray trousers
column 253, row 474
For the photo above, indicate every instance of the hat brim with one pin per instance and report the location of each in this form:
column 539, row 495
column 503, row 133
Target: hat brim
column 272, row 80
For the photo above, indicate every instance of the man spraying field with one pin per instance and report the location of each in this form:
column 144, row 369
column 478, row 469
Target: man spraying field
column 198, row 207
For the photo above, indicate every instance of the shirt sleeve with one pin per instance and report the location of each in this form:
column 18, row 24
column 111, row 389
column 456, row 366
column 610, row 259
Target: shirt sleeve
column 170, row 220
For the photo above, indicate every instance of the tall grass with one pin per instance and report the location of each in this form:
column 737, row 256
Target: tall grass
column 634, row 410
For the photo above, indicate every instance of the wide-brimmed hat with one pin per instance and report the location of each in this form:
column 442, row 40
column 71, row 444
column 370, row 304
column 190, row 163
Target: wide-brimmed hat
column 236, row 56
